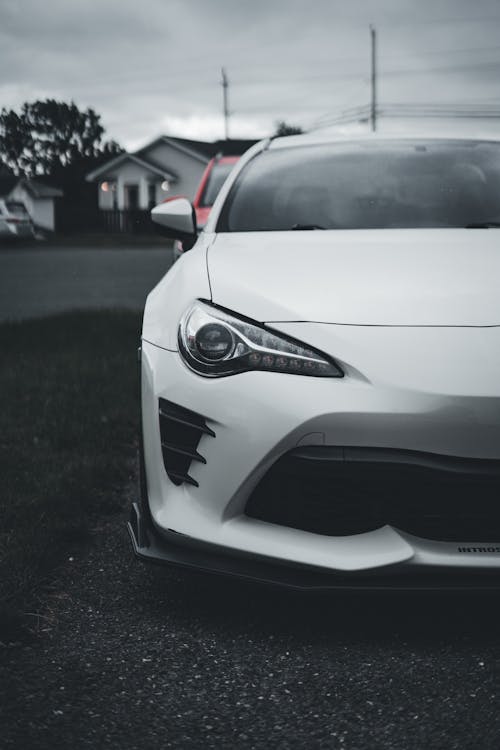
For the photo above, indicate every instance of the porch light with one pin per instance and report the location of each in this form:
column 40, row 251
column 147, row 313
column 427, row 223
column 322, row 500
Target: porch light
column 165, row 186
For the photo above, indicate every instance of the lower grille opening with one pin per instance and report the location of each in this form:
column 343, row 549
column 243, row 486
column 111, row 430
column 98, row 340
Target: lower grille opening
column 343, row 491
column 180, row 432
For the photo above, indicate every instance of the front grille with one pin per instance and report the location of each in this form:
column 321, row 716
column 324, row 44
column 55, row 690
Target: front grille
column 180, row 432
column 342, row 491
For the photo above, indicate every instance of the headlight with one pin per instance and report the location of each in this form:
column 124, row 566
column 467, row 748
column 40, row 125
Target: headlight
column 215, row 343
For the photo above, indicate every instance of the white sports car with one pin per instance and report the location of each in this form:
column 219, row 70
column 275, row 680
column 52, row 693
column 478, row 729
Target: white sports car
column 321, row 371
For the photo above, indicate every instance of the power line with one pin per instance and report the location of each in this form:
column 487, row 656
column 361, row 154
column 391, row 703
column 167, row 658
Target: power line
column 393, row 110
column 444, row 68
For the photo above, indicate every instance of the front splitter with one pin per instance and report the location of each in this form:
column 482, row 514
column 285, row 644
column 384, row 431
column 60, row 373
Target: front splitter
column 178, row 550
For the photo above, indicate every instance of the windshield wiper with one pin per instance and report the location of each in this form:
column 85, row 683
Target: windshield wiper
column 303, row 227
column 483, row 225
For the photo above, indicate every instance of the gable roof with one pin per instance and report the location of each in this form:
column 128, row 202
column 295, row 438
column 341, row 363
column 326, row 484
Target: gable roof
column 142, row 162
column 35, row 188
column 233, row 146
column 39, row 189
column 7, row 182
column 202, row 151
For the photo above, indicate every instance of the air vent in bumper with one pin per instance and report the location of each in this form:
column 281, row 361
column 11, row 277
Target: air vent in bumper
column 181, row 431
column 339, row 491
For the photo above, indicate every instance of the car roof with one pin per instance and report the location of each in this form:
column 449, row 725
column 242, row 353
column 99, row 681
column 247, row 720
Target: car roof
column 320, row 138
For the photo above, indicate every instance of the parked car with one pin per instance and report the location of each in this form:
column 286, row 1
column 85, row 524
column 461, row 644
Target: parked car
column 213, row 178
column 15, row 220
column 321, row 373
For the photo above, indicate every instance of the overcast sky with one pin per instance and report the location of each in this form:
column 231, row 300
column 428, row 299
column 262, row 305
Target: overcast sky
column 153, row 66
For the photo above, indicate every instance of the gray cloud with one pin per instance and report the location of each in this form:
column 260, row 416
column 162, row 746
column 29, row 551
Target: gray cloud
column 152, row 65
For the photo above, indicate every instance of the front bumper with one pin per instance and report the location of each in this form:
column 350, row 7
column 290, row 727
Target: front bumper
column 176, row 550
column 258, row 417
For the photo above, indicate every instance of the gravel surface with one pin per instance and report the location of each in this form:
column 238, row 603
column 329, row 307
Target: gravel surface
column 143, row 657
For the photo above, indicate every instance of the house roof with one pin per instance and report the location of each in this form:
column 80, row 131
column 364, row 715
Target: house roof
column 202, row 151
column 35, row 188
column 233, row 147
column 39, row 189
column 7, row 182
column 199, row 150
column 148, row 164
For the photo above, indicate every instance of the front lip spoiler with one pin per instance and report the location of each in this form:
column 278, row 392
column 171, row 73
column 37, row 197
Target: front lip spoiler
column 178, row 550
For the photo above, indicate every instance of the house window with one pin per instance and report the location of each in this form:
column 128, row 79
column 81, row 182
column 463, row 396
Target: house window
column 151, row 194
column 131, row 197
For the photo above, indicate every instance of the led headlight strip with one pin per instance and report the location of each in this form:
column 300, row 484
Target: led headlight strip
column 214, row 343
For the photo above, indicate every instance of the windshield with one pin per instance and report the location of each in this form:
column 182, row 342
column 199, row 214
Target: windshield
column 363, row 185
column 214, row 183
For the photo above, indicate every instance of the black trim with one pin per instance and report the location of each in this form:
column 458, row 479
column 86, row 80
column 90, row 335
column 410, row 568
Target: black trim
column 194, row 455
column 341, row 491
column 437, row 461
column 187, row 423
column 177, row 550
column 180, row 433
column 180, row 478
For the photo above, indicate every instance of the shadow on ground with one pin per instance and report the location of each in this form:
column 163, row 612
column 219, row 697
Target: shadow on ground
column 361, row 615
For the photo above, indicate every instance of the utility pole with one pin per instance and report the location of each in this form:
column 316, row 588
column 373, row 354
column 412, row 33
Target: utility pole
column 225, row 86
column 373, row 107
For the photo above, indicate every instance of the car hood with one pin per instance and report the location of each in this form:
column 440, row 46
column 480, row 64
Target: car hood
column 394, row 277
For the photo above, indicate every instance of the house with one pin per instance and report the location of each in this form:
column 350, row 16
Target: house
column 135, row 182
column 39, row 200
column 37, row 197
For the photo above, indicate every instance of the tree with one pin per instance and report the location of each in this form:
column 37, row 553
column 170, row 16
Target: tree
column 284, row 128
column 48, row 137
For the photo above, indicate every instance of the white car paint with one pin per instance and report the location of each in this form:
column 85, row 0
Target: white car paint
column 401, row 277
column 14, row 220
column 413, row 319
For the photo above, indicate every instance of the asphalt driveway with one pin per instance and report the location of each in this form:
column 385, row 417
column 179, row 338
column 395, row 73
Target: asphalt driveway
column 37, row 281
column 129, row 657
column 134, row 657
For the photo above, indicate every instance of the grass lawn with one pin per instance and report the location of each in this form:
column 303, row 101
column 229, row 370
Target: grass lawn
column 90, row 240
column 69, row 419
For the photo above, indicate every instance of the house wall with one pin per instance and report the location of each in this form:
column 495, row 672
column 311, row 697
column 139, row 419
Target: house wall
column 188, row 168
column 129, row 174
column 44, row 214
column 41, row 210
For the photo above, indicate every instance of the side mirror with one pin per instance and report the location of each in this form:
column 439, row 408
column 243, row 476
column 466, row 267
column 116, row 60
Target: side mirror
column 176, row 218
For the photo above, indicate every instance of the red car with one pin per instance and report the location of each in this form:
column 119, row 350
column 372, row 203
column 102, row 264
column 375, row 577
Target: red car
column 211, row 182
